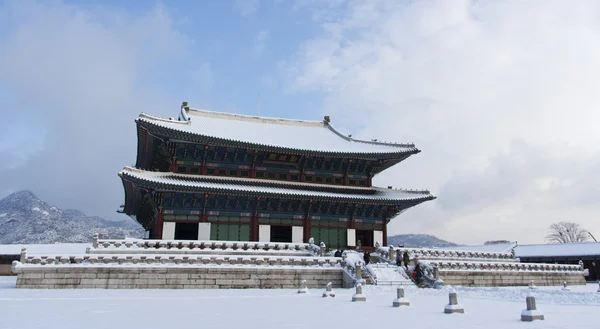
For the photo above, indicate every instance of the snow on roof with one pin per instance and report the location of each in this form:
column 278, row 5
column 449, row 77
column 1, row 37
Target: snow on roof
column 286, row 133
column 271, row 187
column 57, row 248
column 558, row 250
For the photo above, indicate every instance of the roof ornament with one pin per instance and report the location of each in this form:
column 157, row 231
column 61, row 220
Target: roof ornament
column 326, row 119
column 184, row 109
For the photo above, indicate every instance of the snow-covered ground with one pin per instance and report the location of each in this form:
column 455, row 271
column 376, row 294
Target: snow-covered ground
column 489, row 308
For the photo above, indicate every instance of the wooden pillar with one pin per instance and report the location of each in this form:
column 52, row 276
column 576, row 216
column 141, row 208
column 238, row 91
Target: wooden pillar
column 159, row 227
column 254, row 222
column 253, row 171
column 384, row 232
column 203, row 167
column 306, row 223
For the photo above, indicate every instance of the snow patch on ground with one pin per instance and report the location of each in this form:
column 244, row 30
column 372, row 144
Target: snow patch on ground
column 490, row 308
column 3, row 215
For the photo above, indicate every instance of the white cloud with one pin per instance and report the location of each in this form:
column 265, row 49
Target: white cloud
column 246, row 7
column 260, row 42
column 499, row 95
column 77, row 79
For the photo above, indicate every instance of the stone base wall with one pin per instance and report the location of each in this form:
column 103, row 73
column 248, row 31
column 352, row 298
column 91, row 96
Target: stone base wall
column 508, row 279
column 174, row 278
column 5, row 269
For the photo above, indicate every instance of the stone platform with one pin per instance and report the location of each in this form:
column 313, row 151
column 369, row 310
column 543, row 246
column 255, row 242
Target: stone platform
column 161, row 264
column 132, row 277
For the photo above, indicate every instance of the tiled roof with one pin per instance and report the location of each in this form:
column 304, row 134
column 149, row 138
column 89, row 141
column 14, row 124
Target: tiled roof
column 256, row 186
column 558, row 250
column 317, row 136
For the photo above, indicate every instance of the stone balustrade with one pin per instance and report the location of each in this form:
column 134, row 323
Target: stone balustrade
column 456, row 255
column 102, row 246
column 450, row 265
column 158, row 260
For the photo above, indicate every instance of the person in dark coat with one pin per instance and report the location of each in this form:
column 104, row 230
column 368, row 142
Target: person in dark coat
column 398, row 258
column 338, row 253
column 419, row 272
column 367, row 257
column 406, row 259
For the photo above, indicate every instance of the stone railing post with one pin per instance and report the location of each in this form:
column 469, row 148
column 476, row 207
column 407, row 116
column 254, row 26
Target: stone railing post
column 391, row 254
column 436, row 272
column 95, row 240
column 323, row 246
column 23, row 258
column 358, row 271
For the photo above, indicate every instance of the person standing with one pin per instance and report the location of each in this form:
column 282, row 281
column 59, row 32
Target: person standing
column 398, row 258
column 406, row 259
column 367, row 257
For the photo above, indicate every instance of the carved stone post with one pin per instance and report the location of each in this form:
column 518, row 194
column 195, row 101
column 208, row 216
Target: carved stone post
column 531, row 313
column 453, row 305
column 400, row 299
column 359, row 297
column 391, row 254
column 328, row 291
column 303, row 289
column 436, row 272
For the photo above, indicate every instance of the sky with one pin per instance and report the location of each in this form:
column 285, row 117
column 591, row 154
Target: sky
column 500, row 96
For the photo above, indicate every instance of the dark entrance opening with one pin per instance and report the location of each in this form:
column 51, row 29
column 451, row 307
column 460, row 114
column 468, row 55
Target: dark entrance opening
column 365, row 237
column 281, row 233
column 186, row 231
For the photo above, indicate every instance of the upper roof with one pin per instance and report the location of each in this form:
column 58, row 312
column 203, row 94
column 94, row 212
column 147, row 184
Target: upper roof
column 255, row 186
column 299, row 135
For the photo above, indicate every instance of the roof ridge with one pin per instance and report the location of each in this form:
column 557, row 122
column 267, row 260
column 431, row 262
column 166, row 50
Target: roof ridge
column 250, row 118
column 171, row 120
column 372, row 142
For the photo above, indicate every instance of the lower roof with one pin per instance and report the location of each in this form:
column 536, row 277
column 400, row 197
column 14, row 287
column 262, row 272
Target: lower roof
column 539, row 250
column 558, row 250
column 186, row 182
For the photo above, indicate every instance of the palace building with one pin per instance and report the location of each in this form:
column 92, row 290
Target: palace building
column 220, row 176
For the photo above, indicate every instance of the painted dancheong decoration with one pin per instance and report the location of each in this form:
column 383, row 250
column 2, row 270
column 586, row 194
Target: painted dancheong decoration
column 219, row 176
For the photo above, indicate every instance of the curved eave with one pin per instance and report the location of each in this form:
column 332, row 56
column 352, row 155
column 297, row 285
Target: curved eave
column 405, row 207
column 198, row 138
column 407, row 202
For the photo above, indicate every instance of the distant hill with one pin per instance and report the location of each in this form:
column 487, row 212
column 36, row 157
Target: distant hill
column 25, row 219
column 418, row 240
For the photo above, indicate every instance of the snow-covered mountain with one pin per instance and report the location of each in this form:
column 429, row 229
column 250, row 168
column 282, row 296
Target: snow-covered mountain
column 26, row 219
column 418, row 240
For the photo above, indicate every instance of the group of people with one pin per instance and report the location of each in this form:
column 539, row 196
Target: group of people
column 402, row 258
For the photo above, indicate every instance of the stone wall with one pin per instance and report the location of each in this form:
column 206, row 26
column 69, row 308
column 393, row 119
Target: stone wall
column 132, row 277
column 5, row 269
column 509, row 278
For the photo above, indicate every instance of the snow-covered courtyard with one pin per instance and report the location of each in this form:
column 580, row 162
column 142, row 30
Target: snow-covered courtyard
column 488, row 308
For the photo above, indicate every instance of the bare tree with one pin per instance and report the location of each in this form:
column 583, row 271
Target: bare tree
column 566, row 232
